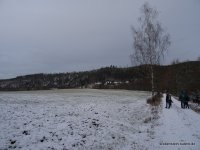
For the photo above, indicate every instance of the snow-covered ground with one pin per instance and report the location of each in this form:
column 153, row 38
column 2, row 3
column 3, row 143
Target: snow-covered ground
column 93, row 119
column 179, row 128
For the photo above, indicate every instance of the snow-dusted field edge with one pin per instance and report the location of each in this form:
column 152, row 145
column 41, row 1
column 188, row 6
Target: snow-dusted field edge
column 75, row 119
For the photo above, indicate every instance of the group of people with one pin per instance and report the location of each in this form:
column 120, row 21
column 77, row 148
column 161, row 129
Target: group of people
column 184, row 98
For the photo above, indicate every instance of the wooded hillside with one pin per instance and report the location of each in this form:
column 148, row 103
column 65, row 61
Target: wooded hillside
column 173, row 77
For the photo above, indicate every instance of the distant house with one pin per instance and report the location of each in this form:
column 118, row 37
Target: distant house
column 127, row 82
column 108, row 83
column 97, row 83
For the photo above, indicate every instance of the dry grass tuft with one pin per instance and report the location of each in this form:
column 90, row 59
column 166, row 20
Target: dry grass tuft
column 155, row 100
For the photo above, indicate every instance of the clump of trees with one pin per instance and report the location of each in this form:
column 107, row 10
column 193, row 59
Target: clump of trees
column 150, row 41
column 175, row 61
column 198, row 59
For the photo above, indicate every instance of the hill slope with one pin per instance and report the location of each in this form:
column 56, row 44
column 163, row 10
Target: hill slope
column 172, row 77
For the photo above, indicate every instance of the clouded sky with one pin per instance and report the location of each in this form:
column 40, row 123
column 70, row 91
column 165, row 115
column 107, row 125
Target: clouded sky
column 73, row 35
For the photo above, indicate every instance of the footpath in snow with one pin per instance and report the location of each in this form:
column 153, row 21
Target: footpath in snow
column 179, row 128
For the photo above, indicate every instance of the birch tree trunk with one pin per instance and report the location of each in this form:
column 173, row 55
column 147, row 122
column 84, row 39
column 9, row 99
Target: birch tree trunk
column 152, row 80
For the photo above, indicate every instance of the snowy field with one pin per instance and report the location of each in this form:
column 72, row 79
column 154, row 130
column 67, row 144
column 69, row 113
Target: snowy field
column 93, row 119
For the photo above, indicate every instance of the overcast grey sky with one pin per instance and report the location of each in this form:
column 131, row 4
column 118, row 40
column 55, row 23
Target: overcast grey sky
column 73, row 35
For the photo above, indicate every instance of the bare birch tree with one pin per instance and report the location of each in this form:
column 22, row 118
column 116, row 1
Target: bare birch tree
column 150, row 40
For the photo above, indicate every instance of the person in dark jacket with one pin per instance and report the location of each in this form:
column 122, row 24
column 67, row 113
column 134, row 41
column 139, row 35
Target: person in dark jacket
column 181, row 98
column 168, row 100
column 186, row 99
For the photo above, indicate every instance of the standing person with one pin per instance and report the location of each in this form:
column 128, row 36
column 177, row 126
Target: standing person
column 181, row 99
column 186, row 99
column 167, row 100
column 170, row 101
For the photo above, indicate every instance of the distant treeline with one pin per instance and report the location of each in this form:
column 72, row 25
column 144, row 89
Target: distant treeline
column 173, row 78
